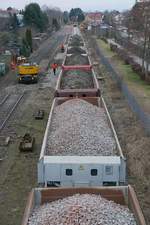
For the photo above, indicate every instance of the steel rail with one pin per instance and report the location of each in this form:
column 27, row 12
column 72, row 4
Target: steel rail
column 11, row 111
column 4, row 100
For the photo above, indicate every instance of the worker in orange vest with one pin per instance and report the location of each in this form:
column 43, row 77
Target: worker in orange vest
column 54, row 67
column 62, row 48
column 13, row 65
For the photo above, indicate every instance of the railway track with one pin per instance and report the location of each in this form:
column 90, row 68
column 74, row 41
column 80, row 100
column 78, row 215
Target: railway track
column 7, row 107
column 3, row 100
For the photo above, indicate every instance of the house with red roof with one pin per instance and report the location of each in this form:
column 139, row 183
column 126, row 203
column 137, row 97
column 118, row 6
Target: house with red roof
column 94, row 18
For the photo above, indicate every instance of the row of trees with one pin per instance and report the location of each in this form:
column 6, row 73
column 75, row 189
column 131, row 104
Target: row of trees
column 39, row 18
column 52, row 17
column 42, row 19
column 139, row 23
column 76, row 15
column 45, row 17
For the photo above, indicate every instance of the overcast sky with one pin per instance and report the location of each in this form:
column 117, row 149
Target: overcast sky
column 86, row 5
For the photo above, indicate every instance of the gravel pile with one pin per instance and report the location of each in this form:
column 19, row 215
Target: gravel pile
column 82, row 209
column 76, row 40
column 76, row 50
column 79, row 128
column 77, row 60
column 77, row 79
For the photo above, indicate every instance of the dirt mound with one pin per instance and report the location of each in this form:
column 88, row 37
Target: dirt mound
column 76, row 40
column 77, row 60
column 77, row 80
column 76, row 50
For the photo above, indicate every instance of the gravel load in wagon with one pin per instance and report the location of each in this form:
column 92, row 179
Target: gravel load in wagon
column 83, row 209
column 76, row 40
column 77, row 60
column 79, row 128
column 76, row 79
column 76, row 50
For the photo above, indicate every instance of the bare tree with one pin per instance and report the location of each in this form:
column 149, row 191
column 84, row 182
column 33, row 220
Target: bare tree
column 54, row 13
column 146, row 48
column 140, row 23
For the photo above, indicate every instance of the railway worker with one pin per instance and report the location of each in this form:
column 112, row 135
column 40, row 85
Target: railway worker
column 62, row 48
column 13, row 66
column 54, row 67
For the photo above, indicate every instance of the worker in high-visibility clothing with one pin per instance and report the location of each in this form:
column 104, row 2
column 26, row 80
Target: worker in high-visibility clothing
column 62, row 48
column 13, row 65
column 54, row 67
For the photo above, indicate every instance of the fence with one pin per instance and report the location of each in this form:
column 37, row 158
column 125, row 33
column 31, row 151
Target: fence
column 142, row 116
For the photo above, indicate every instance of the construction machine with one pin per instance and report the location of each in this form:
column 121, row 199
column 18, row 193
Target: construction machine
column 20, row 60
column 26, row 143
column 28, row 73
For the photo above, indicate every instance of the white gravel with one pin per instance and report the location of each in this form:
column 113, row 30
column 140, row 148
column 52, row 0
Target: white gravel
column 79, row 128
column 82, row 210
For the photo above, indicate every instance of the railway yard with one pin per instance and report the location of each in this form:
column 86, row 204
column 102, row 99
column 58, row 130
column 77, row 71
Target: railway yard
column 85, row 118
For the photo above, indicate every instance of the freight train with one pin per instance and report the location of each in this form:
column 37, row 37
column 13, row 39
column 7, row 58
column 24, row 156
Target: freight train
column 81, row 152
column 124, row 196
column 110, row 169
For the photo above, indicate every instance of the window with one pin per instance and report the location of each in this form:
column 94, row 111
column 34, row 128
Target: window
column 53, row 183
column 94, row 172
column 69, row 172
column 109, row 183
column 108, row 170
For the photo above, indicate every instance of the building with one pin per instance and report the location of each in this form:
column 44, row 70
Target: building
column 94, row 18
column 20, row 20
column 12, row 11
column 5, row 18
column 4, row 14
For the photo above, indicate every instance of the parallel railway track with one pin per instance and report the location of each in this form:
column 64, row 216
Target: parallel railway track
column 4, row 99
column 7, row 107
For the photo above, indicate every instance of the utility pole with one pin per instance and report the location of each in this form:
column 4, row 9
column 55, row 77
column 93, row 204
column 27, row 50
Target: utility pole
column 146, row 46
